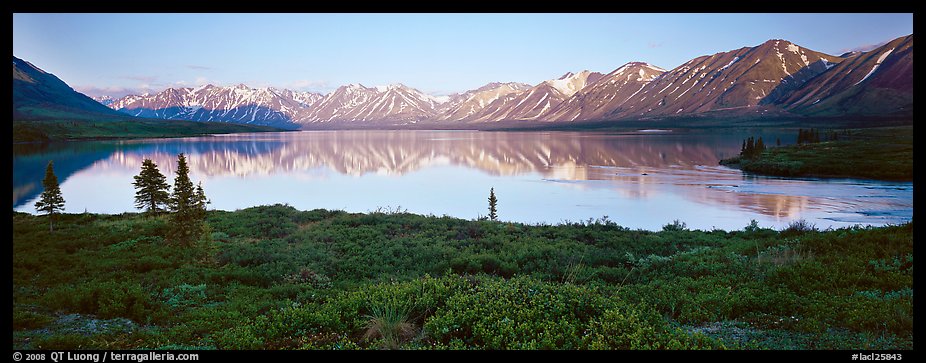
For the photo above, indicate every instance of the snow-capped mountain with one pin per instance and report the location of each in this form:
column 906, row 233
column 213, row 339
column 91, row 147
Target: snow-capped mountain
column 104, row 100
column 606, row 95
column 536, row 101
column 395, row 103
column 731, row 80
column 570, row 83
column 461, row 106
column 875, row 82
column 240, row 104
column 306, row 99
column 776, row 75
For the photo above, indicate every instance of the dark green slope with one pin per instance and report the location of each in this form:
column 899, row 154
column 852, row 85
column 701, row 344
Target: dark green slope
column 40, row 95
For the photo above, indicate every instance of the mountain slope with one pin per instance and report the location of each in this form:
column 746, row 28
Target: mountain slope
column 38, row 94
column 537, row 101
column 463, row 105
column 606, row 95
column 879, row 81
column 736, row 79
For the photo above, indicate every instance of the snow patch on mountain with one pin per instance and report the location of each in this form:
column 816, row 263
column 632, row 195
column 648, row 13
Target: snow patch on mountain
column 570, row 83
column 875, row 67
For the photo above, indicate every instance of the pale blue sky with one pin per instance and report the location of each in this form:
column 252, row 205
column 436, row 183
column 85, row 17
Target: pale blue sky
column 435, row 53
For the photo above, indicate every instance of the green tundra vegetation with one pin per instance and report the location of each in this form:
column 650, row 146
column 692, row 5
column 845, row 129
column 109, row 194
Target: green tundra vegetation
column 874, row 153
column 273, row 277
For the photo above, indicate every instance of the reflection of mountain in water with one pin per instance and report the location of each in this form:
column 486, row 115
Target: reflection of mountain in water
column 30, row 160
column 559, row 155
column 709, row 185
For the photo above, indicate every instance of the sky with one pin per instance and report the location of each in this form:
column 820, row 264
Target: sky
column 440, row 54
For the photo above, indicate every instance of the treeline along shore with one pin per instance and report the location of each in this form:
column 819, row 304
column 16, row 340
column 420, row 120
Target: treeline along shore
column 873, row 153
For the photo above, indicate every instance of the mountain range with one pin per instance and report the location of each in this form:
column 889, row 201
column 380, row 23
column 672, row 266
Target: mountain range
column 239, row 104
column 776, row 77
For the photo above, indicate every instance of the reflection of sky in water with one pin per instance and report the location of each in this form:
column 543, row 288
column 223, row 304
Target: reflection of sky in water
column 538, row 177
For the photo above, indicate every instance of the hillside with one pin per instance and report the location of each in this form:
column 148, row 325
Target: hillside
column 40, row 95
column 877, row 82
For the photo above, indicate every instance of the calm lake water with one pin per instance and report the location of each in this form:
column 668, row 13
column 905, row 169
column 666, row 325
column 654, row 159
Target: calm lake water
column 642, row 179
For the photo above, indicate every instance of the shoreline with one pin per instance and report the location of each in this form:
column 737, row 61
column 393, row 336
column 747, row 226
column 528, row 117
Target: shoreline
column 882, row 154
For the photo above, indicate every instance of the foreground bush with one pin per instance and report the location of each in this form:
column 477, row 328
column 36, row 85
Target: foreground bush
column 273, row 277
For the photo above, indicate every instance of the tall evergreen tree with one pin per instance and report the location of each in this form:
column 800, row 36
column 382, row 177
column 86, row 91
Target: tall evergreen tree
column 187, row 219
column 152, row 190
column 760, row 146
column 493, row 204
column 51, row 201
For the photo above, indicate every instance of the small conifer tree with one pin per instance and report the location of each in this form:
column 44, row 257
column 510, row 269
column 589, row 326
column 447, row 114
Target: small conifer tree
column 493, row 204
column 51, row 201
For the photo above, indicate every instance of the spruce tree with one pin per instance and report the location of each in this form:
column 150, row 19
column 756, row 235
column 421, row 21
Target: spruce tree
column 750, row 147
column 493, row 203
column 51, row 201
column 760, row 146
column 187, row 219
column 152, row 190
column 200, row 201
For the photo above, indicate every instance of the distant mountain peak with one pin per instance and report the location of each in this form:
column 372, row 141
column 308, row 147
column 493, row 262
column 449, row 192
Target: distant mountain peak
column 495, row 85
column 104, row 99
column 239, row 103
column 637, row 66
column 850, row 54
column 570, row 83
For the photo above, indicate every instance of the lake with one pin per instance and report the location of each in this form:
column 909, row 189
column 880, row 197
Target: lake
column 642, row 179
